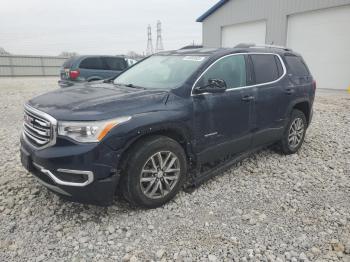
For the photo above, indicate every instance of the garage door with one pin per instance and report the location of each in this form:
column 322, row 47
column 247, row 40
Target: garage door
column 253, row 32
column 323, row 38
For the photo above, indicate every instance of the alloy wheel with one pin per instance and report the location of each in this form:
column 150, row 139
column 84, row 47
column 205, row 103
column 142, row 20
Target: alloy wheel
column 296, row 132
column 160, row 174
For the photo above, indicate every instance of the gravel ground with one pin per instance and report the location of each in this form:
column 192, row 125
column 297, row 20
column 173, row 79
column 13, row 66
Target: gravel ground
column 267, row 208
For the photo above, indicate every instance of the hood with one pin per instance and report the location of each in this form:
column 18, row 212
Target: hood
column 98, row 101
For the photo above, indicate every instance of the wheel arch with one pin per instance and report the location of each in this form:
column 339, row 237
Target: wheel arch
column 176, row 133
column 303, row 106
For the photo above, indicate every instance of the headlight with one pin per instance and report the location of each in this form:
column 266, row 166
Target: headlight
column 89, row 131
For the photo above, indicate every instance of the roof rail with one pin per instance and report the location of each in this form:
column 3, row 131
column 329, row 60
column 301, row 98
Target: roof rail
column 191, row 47
column 245, row 45
column 251, row 45
column 274, row 46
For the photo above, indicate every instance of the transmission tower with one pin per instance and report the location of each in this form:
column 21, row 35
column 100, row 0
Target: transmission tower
column 149, row 50
column 159, row 46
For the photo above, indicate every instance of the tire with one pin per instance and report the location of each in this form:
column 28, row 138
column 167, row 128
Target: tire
column 294, row 133
column 140, row 179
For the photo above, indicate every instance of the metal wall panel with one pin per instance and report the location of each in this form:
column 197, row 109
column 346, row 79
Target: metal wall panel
column 17, row 65
column 27, row 71
column 51, row 71
column 47, row 61
column 26, row 61
column 251, row 32
column 5, row 61
column 5, row 71
column 275, row 12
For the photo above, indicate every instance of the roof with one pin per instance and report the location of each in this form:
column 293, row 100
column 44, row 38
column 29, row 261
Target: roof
column 211, row 10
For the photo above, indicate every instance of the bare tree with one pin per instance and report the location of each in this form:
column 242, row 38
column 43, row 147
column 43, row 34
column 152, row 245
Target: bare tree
column 68, row 54
column 134, row 55
column 3, row 51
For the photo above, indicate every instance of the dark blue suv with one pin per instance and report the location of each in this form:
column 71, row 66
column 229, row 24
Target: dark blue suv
column 89, row 68
column 173, row 120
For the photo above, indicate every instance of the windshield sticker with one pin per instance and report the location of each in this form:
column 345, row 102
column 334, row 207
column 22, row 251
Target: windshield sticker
column 194, row 58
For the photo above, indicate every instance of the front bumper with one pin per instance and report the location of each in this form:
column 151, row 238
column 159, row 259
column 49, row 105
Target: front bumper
column 82, row 173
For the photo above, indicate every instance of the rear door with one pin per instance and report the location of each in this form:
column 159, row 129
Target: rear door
column 272, row 97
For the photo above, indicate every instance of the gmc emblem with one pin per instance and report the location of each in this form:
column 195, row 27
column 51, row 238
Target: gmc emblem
column 29, row 120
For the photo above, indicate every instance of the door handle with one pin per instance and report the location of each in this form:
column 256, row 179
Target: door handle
column 289, row 91
column 248, row 98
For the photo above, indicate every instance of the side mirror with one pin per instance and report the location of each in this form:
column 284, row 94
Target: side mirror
column 213, row 86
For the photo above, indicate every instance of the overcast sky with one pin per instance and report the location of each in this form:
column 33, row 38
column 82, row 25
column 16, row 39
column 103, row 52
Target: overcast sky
column 48, row 27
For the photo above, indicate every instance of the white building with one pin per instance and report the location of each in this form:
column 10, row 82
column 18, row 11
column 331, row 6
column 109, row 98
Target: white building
column 317, row 29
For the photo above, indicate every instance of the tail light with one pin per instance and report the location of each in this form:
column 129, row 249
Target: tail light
column 73, row 74
column 314, row 85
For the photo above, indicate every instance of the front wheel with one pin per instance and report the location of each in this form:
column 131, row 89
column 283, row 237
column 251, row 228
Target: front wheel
column 294, row 134
column 155, row 172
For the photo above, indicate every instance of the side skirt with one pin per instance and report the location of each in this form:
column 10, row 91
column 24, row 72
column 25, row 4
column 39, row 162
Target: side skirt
column 197, row 178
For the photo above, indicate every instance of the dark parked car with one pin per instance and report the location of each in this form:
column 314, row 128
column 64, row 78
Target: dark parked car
column 172, row 120
column 91, row 68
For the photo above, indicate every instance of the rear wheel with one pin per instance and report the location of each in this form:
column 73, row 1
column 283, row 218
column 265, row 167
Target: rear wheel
column 294, row 133
column 155, row 172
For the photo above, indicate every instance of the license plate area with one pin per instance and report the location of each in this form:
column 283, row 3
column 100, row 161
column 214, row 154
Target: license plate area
column 66, row 71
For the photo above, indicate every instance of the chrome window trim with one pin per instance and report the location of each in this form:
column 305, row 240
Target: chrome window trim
column 89, row 174
column 242, row 87
column 47, row 117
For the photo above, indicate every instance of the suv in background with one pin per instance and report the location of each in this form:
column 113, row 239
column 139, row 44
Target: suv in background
column 91, row 68
column 174, row 119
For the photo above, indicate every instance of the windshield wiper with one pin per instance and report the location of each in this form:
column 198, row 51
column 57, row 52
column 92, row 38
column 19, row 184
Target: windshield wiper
column 108, row 80
column 131, row 86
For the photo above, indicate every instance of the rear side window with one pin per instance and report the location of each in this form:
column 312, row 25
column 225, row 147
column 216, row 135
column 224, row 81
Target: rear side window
column 297, row 66
column 266, row 68
column 114, row 63
column 91, row 63
column 279, row 66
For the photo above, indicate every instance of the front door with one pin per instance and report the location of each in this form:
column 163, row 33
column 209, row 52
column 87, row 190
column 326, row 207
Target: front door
column 222, row 121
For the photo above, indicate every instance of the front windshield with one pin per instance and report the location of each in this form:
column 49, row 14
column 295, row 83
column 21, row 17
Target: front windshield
column 160, row 71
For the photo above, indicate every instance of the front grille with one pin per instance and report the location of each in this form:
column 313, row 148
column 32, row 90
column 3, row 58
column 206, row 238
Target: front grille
column 39, row 128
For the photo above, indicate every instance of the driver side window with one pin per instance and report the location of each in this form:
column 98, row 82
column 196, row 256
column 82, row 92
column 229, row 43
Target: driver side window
column 231, row 69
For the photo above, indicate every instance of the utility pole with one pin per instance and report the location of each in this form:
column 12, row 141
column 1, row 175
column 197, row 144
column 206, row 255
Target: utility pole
column 149, row 50
column 159, row 46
